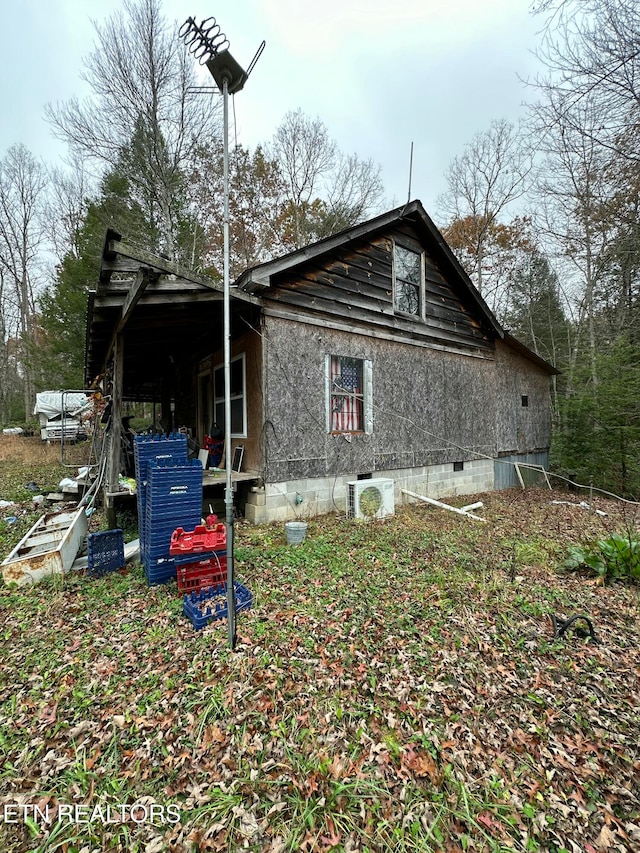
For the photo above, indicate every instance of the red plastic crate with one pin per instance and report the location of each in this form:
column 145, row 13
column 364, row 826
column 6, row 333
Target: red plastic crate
column 194, row 577
column 199, row 539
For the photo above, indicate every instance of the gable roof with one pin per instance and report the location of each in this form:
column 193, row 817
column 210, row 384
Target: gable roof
column 260, row 277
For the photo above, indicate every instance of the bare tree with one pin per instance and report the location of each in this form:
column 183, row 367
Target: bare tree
column 22, row 185
column 481, row 183
column 355, row 193
column 591, row 50
column 142, row 112
column 572, row 190
column 326, row 189
column 66, row 206
column 4, row 354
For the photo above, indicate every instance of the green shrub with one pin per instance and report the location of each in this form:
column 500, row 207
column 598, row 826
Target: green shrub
column 618, row 556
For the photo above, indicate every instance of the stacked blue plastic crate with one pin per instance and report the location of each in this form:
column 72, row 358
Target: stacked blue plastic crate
column 146, row 450
column 173, row 499
column 169, row 495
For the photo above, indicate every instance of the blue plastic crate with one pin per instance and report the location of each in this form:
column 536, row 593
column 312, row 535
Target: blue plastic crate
column 160, row 529
column 105, row 552
column 165, row 462
column 174, row 493
column 156, row 548
column 172, row 497
column 159, row 571
column 163, row 512
column 149, row 450
column 203, row 607
column 170, row 485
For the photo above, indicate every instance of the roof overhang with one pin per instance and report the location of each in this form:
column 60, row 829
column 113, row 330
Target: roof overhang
column 529, row 354
column 164, row 313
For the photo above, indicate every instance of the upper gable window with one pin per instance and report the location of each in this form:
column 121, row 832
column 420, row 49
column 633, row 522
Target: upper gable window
column 407, row 290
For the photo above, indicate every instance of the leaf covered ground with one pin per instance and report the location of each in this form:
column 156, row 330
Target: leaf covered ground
column 396, row 687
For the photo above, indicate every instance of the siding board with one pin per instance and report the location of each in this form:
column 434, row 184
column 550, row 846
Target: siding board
column 403, row 325
column 354, row 284
column 425, row 426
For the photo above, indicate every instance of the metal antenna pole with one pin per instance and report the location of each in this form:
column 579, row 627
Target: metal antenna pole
column 228, row 495
column 210, row 47
column 410, row 173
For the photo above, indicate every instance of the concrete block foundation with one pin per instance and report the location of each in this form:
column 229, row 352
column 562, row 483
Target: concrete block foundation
column 309, row 497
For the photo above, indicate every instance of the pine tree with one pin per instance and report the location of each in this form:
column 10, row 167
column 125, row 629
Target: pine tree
column 63, row 306
column 600, row 439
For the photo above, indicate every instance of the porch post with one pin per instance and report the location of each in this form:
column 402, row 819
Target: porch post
column 113, row 476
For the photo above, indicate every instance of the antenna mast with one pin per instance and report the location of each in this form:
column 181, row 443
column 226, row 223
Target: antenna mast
column 410, row 173
column 210, row 46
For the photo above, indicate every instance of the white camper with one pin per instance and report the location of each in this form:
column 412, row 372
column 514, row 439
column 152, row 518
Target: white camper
column 60, row 413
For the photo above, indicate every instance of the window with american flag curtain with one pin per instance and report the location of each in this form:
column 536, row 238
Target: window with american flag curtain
column 348, row 394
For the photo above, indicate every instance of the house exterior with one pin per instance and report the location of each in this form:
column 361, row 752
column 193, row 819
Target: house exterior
column 367, row 354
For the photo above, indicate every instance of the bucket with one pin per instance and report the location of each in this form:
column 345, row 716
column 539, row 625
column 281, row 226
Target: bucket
column 296, row 532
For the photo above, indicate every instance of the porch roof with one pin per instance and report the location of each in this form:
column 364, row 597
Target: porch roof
column 166, row 313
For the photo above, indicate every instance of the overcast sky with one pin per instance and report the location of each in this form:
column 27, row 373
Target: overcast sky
column 380, row 73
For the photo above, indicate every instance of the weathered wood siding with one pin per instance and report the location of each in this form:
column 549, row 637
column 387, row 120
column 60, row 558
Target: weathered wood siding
column 429, row 406
column 352, row 288
column 521, row 429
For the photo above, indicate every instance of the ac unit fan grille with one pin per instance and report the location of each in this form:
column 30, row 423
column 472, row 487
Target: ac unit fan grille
column 370, row 501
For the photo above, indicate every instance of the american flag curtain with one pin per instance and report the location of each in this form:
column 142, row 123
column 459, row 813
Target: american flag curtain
column 346, row 394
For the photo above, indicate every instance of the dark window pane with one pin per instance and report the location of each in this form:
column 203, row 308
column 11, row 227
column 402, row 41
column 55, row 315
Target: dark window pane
column 236, row 378
column 237, row 410
column 407, row 265
column 237, row 385
column 407, row 297
column 237, row 416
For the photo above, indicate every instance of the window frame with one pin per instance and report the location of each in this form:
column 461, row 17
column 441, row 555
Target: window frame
column 219, row 400
column 366, row 395
column 206, row 403
column 420, row 286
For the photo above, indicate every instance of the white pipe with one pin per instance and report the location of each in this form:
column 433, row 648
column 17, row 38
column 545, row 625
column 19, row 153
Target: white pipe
column 441, row 505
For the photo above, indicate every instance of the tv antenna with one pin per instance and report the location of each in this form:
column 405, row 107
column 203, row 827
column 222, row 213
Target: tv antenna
column 410, row 173
column 210, row 46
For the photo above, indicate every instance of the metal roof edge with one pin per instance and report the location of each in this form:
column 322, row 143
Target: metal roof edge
column 524, row 350
column 260, row 275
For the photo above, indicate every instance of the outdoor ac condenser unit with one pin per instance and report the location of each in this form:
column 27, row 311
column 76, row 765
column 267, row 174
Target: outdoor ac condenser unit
column 370, row 498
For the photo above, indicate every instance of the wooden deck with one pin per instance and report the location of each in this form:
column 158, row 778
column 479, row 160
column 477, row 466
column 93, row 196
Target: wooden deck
column 218, row 477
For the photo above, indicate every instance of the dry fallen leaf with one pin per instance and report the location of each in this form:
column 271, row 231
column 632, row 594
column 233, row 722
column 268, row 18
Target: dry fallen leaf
column 606, row 839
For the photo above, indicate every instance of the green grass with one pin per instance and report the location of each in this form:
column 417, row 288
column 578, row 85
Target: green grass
column 395, row 687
